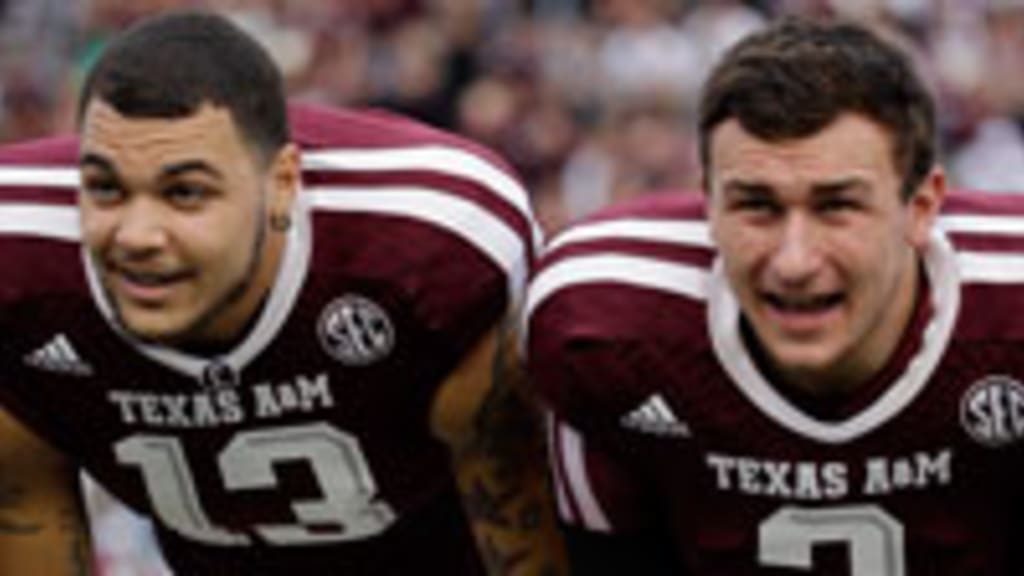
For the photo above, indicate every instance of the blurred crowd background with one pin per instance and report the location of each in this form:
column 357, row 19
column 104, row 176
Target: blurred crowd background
column 590, row 100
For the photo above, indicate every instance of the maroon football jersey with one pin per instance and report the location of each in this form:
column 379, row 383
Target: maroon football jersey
column 305, row 449
column 662, row 418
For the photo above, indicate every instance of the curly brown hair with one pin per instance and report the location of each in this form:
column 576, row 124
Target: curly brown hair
column 797, row 76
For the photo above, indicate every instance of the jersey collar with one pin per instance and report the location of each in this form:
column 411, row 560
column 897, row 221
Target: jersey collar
column 292, row 271
column 724, row 325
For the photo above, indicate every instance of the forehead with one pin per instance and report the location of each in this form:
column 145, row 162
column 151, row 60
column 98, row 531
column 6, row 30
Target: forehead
column 851, row 146
column 210, row 134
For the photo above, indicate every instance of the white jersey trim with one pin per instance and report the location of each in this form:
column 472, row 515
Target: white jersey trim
column 990, row 225
column 54, row 177
column 638, row 271
column 678, row 232
column 291, row 274
column 432, row 158
column 723, row 321
column 23, row 219
column 488, row 233
column 991, row 268
column 571, row 450
column 987, row 267
column 554, row 464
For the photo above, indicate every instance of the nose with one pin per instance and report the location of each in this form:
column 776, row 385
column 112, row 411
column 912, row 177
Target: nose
column 141, row 229
column 797, row 255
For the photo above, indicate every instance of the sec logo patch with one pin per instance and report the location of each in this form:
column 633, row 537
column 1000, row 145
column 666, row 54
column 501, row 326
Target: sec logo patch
column 992, row 411
column 355, row 330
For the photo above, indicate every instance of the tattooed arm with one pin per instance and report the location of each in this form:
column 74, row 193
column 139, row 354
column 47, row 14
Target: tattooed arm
column 42, row 524
column 498, row 453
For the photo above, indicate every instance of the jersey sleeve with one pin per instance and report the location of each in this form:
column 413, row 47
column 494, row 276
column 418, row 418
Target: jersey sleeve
column 596, row 489
column 608, row 308
column 39, row 250
column 587, row 382
column 431, row 214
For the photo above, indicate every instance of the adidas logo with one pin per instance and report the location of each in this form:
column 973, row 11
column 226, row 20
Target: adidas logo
column 57, row 355
column 655, row 417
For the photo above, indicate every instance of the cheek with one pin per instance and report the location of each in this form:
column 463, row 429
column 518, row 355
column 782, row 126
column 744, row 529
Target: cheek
column 875, row 267
column 219, row 228
column 742, row 249
column 97, row 227
column 225, row 247
column 217, row 250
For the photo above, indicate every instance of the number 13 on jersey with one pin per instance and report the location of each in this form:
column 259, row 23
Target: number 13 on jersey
column 349, row 492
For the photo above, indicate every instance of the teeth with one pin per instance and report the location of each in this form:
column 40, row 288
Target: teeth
column 146, row 279
column 805, row 304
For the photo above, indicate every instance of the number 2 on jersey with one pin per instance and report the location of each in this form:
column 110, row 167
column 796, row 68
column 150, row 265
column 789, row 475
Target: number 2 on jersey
column 247, row 462
column 874, row 537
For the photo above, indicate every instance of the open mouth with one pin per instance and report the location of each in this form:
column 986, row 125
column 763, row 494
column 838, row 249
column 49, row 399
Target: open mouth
column 147, row 287
column 803, row 315
column 803, row 304
column 151, row 279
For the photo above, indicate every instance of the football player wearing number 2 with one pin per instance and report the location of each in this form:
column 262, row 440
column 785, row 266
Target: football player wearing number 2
column 814, row 368
column 278, row 332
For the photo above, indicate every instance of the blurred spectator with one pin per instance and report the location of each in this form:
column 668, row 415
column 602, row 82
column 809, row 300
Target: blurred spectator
column 993, row 158
column 988, row 150
column 715, row 26
column 645, row 52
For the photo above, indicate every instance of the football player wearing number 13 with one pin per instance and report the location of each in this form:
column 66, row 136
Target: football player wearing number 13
column 287, row 349
column 816, row 366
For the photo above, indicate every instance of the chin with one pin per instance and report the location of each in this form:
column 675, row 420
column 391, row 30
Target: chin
column 804, row 359
column 151, row 327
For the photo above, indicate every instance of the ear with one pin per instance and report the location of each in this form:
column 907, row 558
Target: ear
column 924, row 206
column 286, row 176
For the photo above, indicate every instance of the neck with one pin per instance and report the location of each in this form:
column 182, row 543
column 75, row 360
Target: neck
column 234, row 322
column 864, row 363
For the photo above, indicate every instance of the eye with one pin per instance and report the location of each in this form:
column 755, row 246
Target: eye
column 186, row 194
column 756, row 205
column 103, row 191
column 837, row 205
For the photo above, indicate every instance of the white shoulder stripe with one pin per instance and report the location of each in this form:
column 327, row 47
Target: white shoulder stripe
column 991, row 268
column 551, row 427
column 689, row 281
column 443, row 159
column 484, row 230
column 60, row 222
column 577, row 480
column 995, row 225
column 59, row 177
column 681, row 232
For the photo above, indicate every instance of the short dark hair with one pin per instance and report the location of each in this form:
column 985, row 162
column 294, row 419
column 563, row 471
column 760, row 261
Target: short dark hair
column 169, row 65
column 797, row 76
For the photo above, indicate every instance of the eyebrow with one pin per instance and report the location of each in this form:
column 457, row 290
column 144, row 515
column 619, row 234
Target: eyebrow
column 839, row 186
column 746, row 187
column 96, row 161
column 757, row 187
column 190, row 166
column 101, row 162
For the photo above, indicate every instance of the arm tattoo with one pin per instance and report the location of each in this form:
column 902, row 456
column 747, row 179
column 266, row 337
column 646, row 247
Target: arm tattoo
column 80, row 548
column 507, row 423
column 483, row 505
column 11, row 497
column 12, row 500
column 507, row 492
